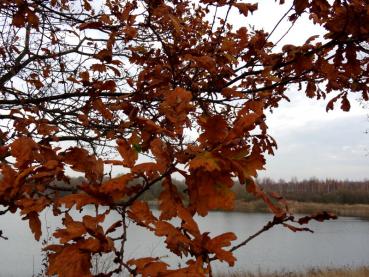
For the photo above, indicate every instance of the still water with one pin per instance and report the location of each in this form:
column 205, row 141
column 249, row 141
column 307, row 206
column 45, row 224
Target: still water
column 342, row 242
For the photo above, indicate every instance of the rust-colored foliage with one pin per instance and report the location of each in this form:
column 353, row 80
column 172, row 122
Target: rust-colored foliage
column 155, row 89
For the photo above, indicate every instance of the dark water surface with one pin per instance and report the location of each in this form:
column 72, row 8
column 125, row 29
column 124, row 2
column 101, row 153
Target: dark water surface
column 342, row 242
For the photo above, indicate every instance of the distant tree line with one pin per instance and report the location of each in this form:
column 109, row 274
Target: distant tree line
column 306, row 190
column 321, row 191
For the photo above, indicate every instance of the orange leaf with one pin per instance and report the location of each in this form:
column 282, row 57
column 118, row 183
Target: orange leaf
column 113, row 227
column 345, row 104
column 68, row 261
column 130, row 32
column 177, row 242
column 210, row 190
column 176, row 107
column 216, row 244
column 169, row 198
column 160, row 151
column 205, row 160
column 90, row 245
column 149, row 266
column 34, row 224
column 86, row 5
column 73, row 230
column 101, row 107
column 23, row 150
column 33, row 19
column 85, row 76
column 128, row 153
column 216, row 129
column 81, row 161
column 98, row 67
column 104, row 55
column 116, row 186
column 78, row 199
column 206, row 62
column 140, row 212
column 188, row 222
column 244, row 8
column 149, row 168
column 19, row 19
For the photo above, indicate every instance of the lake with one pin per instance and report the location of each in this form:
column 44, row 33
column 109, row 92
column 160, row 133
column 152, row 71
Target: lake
column 337, row 243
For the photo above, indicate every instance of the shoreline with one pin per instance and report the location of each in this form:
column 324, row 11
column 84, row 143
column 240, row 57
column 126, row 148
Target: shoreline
column 360, row 271
column 295, row 207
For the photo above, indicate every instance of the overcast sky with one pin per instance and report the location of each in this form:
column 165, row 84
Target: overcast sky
column 311, row 142
column 314, row 143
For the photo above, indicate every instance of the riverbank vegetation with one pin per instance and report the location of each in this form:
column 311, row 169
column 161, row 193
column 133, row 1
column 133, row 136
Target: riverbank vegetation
column 295, row 207
column 315, row 272
column 344, row 198
column 308, row 190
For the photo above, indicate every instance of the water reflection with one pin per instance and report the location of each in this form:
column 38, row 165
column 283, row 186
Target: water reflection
column 334, row 243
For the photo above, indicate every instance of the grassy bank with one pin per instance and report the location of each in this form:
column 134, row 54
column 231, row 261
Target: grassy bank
column 327, row 272
column 295, row 207
column 355, row 210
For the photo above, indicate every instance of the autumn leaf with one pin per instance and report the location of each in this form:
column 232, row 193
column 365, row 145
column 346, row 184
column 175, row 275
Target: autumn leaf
column 246, row 8
column 188, row 222
column 91, row 25
column 34, row 224
column 116, row 186
column 81, row 161
column 130, row 32
column 78, row 199
column 19, row 19
column 78, row 262
column 205, row 160
column 85, row 76
column 113, row 227
column 101, row 107
column 345, row 104
column 28, row 205
column 320, row 216
column 210, row 191
column 23, row 149
column 73, row 230
column 176, row 107
column 310, row 89
column 140, row 212
column 300, row 5
column 150, row 169
column 331, row 102
column 104, row 55
column 161, row 153
column 231, row 93
column 216, row 244
column 175, row 240
column 206, row 62
column 215, row 129
column 297, row 229
column 128, row 153
column 33, row 19
column 254, row 189
column 86, row 5
column 169, row 199
column 98, row 67
column 149, row 266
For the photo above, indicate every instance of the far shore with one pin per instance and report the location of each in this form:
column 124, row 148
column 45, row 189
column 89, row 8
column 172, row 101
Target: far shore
column 296, row 207
column 315, row 272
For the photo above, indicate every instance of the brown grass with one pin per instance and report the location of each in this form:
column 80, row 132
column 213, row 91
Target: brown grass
column 327, row 272
column 356, row 210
